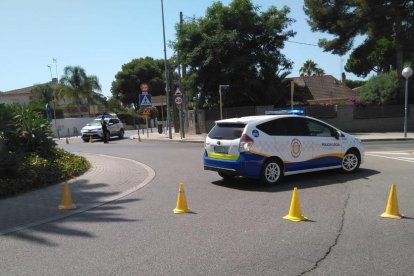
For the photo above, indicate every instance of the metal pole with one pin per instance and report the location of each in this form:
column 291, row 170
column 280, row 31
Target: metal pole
column 221, row 105
column 405, row 108
column 167, row 89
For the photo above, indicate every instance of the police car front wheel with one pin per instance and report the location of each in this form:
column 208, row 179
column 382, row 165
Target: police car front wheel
column 351, row 161
column 272, row 172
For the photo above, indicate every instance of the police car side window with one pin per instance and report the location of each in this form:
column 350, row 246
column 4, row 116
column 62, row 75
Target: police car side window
column 285, row 127
column 296, row 126
column 318, row 129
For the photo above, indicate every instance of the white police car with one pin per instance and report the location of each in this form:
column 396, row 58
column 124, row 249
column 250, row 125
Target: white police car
column 270, row 146
column 94, row 128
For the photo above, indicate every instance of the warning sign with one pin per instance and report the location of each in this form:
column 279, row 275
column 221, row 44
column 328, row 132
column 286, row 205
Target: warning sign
column 145, row 100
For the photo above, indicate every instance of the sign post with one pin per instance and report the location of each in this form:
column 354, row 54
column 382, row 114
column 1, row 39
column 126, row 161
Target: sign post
column 178, row 99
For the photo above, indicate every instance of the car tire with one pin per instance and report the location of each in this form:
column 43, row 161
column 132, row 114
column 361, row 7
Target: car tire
column 351, row 161
column 85, row 140
column 272, row 172
column 121, row 134
column 226, row 176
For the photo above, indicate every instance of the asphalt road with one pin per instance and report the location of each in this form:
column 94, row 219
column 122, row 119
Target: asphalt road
column 236, row 228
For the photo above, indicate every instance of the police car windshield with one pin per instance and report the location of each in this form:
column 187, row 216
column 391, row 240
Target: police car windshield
column 227, row 131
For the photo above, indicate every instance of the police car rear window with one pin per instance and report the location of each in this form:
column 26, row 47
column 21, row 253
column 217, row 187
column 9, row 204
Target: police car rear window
column 228, row 131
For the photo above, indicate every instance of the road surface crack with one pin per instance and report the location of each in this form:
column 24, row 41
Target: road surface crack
column 335, row 242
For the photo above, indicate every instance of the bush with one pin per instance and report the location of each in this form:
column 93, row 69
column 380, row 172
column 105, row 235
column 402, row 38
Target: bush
column 381, row 89
column 29, row 158
column 36, row 172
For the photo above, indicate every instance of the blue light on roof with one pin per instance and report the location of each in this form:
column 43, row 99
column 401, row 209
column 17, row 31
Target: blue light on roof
column 285, row 111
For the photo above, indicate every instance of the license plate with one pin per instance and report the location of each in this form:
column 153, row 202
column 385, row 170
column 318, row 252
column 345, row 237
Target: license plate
column 221, row 149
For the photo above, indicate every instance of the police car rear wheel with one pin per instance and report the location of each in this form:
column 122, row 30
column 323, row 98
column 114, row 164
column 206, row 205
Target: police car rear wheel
column 272, row 172
column 351, row 161
column 121, row 134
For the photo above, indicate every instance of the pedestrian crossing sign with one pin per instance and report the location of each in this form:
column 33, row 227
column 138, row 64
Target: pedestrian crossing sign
column 145, row 100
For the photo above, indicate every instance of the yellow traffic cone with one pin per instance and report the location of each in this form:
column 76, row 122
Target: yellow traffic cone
column 181, row 201
column 294, row 211
column 90, row 140
column 66, row 202
column 392, row 211
column 67, row 141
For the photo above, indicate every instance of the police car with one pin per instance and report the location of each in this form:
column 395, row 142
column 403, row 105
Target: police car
column 269, row 147
column 94, row 128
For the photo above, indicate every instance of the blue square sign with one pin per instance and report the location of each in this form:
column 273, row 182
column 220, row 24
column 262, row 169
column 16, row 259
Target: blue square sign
column 145, row 100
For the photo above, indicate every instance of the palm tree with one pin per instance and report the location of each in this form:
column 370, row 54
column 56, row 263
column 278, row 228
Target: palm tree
column 43, row 93
column 77, row 85
column 310, row 68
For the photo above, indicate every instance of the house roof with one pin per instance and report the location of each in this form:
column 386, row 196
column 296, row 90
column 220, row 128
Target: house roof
column 25, row 90
column 321, row 88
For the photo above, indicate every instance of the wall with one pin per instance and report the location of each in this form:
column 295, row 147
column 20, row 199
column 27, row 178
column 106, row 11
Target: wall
column 346, row 118
column 69, row 127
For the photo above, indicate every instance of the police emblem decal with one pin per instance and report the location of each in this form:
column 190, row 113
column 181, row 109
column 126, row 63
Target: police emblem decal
column 296, row 148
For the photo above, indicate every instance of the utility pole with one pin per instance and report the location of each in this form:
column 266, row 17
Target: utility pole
column 167, row 88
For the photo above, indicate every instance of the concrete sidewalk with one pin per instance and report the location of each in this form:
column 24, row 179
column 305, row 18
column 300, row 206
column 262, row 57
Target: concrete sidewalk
column 106, row 181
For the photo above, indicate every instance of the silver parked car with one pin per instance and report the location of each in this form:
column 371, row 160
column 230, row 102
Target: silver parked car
column 94, row 129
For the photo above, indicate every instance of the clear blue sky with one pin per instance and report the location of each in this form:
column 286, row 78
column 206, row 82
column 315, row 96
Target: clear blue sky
column 102, row 35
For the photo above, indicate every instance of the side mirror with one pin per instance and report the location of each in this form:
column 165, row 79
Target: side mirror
column 337, row 134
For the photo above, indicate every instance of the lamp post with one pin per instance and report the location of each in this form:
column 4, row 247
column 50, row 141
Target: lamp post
column 221, row 103
column 406, row 73
column 167, row 89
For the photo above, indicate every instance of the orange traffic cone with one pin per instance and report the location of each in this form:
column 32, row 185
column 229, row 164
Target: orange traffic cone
column 181, row 201
column 67, row 141
column 90, row 140
column 66, row 202
column 392, row 211
column 294, row 211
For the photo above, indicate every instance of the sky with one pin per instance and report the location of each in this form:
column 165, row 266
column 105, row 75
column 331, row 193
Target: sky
column 102, row 35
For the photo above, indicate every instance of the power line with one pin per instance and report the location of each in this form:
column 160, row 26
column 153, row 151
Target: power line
column 303, row 43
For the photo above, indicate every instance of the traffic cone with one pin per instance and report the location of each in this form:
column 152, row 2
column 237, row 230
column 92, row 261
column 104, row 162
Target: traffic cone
column 181, row 201
column 139, row 138
column 392, row 211
column 66, row 202
column 67, row 141
column 294, row 211
column 90, row 140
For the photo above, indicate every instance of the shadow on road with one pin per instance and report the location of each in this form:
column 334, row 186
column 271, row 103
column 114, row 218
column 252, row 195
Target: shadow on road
column 301, row 181
column 92, row 206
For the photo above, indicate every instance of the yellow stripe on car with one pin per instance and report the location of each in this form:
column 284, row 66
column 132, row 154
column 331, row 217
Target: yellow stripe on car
column 222, row 156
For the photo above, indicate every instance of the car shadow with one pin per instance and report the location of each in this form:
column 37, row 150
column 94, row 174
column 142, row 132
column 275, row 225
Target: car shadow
column 301, row 181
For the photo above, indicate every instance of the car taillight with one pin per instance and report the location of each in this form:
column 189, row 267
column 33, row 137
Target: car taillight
column 245, row 143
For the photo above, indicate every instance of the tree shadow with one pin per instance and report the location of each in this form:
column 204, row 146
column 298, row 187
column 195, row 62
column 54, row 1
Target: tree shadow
column 301, row 181
column 93, row 207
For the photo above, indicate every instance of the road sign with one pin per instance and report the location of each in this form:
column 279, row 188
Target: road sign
column 145, row 100
column 178, row 100
column 178, row 97
column 144, row 88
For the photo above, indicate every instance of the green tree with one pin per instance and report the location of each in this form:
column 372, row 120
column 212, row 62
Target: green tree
column 310, row 68
column 236, row 45
column 77, row 85
column 387, row 27
column 380, row 89
column 126, row 85
column 43, row 93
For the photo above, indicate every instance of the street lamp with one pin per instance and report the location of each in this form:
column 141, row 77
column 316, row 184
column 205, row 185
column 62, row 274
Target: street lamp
column 167, row 89
column 221, row 103
column 406, row 73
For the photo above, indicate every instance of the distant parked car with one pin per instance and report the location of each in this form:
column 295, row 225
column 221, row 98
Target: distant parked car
column 94, row 128
column 271, row 146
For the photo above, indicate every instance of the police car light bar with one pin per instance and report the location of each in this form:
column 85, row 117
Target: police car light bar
column 285, row 111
